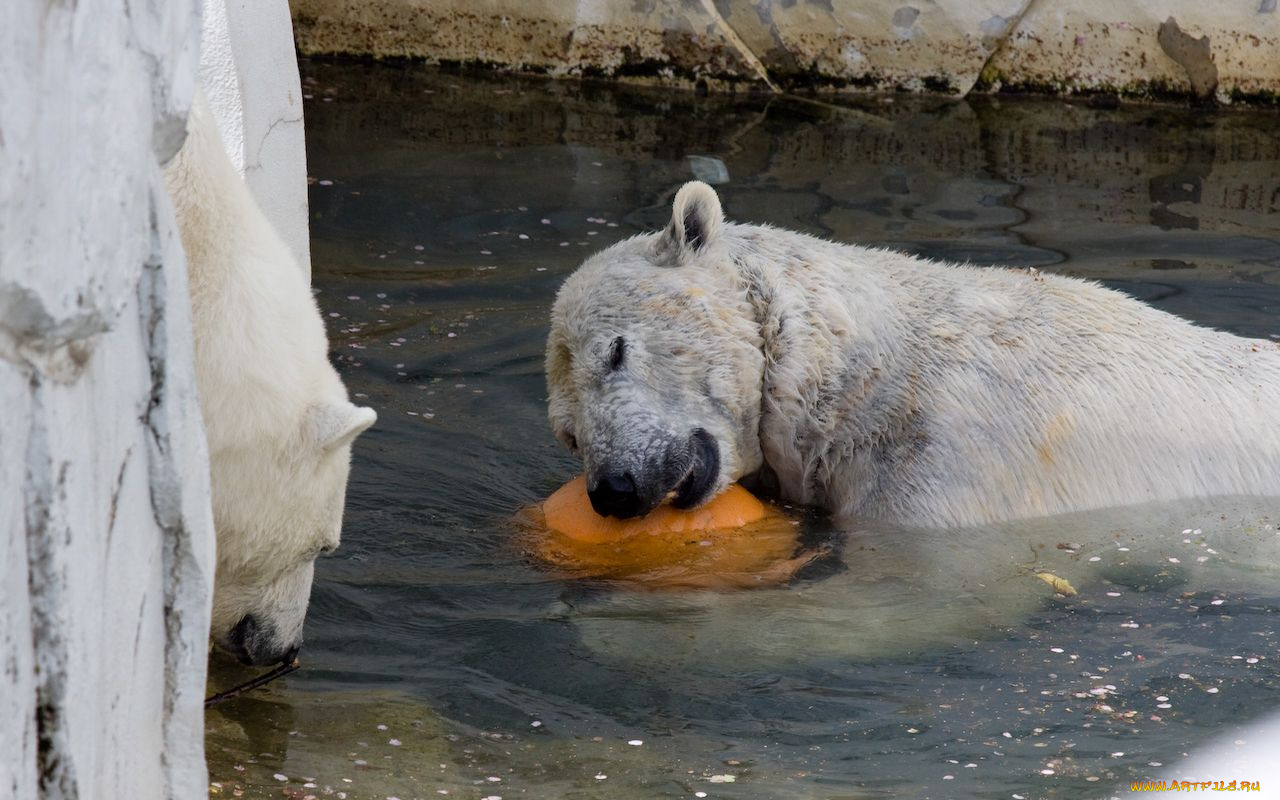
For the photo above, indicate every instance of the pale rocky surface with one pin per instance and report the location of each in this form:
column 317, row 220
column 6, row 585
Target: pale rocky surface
column 260, row 120
column 950, row 46
column 647, row 37
column 1096, row 45
column 106, row 542
column 877, row 43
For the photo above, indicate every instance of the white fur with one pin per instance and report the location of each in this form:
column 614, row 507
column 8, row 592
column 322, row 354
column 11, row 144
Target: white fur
column 875, row 383
column 276, row 414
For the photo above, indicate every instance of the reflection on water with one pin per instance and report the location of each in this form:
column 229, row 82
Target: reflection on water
column 445, row 212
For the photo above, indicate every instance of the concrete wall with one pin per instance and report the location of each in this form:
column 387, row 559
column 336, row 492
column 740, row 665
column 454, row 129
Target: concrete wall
column 260, row 119
column 942, row 45
column 106, row 541
column 106, row 538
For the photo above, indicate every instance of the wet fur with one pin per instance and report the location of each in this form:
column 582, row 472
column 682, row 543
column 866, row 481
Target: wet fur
column 878, row 384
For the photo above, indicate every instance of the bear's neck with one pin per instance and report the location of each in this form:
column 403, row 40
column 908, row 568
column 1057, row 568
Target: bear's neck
column 838, row 383
column 224, row 232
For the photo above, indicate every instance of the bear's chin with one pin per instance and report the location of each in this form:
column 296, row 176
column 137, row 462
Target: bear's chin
column 696, row 487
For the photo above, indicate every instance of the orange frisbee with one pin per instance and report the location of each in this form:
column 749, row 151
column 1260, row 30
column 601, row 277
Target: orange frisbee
column 733, row 540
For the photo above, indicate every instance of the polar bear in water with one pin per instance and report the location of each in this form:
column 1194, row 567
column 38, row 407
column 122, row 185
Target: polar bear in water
column 276, row 414
column 876, row 384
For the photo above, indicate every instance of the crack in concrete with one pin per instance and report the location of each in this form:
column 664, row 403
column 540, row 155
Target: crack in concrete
column 257, row 156
column 115, row 497
column 741, row 46
column 1000, row 44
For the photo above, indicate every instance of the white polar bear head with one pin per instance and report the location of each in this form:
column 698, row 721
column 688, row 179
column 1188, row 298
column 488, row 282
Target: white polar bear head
column 655, row 363
column 276, row 509
column 277, row 418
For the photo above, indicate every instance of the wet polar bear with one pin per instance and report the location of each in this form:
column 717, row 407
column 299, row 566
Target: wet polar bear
column 876, row 384
column 276, row 415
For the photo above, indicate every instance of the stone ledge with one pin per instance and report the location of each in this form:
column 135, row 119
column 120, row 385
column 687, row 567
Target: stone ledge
column 949, row 46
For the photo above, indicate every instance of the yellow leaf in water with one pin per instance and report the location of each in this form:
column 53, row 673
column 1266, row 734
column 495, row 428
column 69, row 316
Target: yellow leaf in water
column 1060, row 585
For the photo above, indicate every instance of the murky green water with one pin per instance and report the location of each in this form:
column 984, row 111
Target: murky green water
column 924, row 664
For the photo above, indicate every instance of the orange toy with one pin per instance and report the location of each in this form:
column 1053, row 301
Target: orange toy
column 569, row 511
column 733, row 540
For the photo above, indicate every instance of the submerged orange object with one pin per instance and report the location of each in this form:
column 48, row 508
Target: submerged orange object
column 569, row 512
column 733, row 540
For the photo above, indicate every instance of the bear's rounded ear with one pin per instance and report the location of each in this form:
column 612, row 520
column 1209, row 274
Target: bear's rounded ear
column 696, row 219
column 337, row 424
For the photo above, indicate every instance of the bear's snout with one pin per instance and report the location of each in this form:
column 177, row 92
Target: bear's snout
column 255, row 645
column 686, row 473
column 615, row 495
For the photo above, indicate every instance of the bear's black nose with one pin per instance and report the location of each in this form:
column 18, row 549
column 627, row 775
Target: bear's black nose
column 614, row 495
column 255, row 644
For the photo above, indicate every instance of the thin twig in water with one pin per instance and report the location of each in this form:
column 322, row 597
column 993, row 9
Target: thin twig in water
column 250, row 685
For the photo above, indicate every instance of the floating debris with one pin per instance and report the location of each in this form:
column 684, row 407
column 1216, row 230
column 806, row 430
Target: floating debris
column 708, row 169
column 1059, row 585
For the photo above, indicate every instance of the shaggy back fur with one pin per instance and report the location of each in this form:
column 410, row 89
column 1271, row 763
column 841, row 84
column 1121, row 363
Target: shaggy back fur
column 875, row 383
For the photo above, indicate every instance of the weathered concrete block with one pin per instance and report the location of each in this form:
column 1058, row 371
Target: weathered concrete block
column 260, row 118
column 947, row 46
column 882, row 44
column 662, row 39
column 1094, row 45
column 105, row 534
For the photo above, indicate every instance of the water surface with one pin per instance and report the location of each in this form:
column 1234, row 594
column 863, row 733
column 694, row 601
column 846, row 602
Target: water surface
column 446, row 210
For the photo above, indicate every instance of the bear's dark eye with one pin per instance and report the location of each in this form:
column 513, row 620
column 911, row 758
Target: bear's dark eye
column 617, row 352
